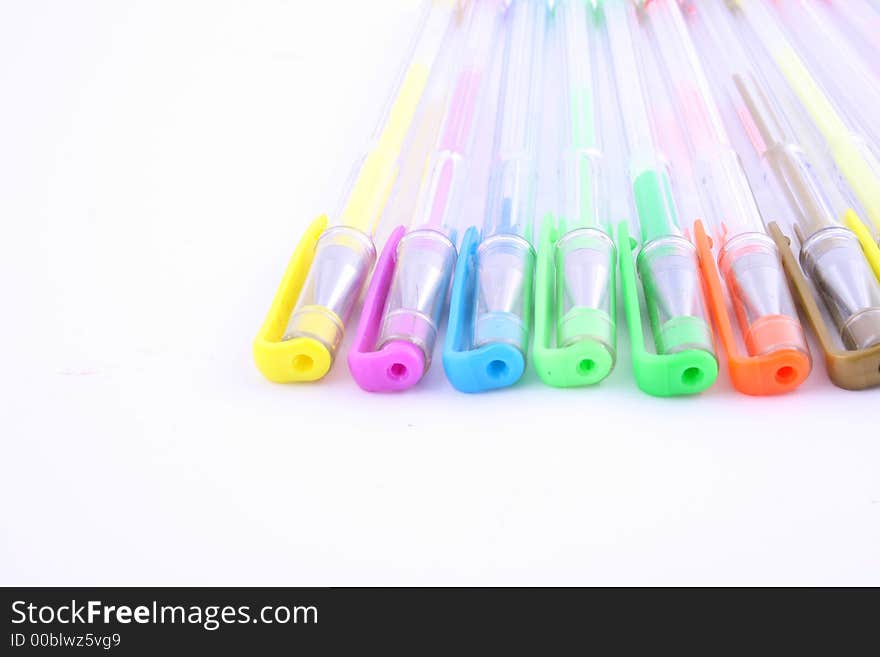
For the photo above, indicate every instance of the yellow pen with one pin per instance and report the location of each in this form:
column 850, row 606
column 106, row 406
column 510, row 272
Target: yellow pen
column 854, row 157
column 326, row 274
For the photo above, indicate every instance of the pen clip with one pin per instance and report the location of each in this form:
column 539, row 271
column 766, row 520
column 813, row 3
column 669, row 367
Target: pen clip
column 851, row 370
column 686, row 372
column 586, row 361
column 869, row 246
column 772, row 373
column 286, row 361
column 494, row 365
column 399, row 364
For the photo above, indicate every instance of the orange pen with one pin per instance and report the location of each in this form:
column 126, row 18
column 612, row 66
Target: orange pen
column 772, row 356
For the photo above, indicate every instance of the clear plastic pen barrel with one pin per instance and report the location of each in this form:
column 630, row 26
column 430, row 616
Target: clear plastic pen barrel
column 837, row 65
column 505, row 258
column 748, row 259
column 426, row 254
column 667, row 262
column 856, row 160
column 830, row 254
column 345, row 253
column 585, row 255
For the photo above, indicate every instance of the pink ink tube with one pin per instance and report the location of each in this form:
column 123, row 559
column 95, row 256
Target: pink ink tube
column 395, row 337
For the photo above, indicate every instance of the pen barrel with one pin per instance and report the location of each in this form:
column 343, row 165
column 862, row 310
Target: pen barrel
column 833, row 260
column 424, row 265
column 751, row 268
column 342, row 262
column 511, row 202
column 505, row 266
column 654, row 203
column 669, row 271
column 799, row 186
column 859, row 166
column 581, row 174
column 725, row 184
column 585, row 288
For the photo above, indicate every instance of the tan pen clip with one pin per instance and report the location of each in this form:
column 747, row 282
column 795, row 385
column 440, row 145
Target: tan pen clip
column 850, row 369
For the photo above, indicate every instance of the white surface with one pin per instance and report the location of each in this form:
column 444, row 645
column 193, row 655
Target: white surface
column 158, row 161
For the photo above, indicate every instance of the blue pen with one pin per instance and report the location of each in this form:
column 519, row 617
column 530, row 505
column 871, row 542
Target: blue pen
column 491, row 303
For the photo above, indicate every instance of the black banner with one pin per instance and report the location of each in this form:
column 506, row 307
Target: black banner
column 156, row 621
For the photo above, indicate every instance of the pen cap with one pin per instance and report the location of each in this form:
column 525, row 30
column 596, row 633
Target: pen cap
column 505, row 270
column 425, row 259
column 751, row 268
column 586, row 260
column 670, row 276
column 832, row 258
column 342, row 261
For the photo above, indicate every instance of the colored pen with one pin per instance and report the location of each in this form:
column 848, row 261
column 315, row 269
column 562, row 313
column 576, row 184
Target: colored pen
column 491, row 301
column 305, row 324
column 830, row 254
column 399, row 323
column 839, row 66
column 777, row 358
column 684, row 359
column 575, row 282
column 855, row 160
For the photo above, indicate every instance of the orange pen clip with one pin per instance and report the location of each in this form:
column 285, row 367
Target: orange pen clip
column 772, row 373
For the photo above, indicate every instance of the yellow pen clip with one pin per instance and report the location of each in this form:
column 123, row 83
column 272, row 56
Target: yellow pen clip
column 869, row 246
column 301, row 359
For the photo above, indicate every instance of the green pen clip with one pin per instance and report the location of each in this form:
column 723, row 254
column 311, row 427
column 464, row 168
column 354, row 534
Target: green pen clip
column 575, row 331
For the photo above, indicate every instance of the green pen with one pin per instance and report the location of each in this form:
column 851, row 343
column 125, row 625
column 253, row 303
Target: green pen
column 575, row 290
column 683, row 361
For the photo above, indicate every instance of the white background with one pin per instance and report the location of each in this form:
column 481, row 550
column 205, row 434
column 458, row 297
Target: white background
column 158, row 162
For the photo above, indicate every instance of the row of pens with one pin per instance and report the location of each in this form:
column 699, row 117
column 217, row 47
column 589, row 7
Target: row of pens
column 717, row 158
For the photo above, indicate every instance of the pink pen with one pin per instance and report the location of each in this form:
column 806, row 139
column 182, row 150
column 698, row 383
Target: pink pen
column 398, row 327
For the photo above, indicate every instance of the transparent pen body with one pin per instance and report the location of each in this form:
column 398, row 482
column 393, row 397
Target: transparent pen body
column 505, row 257
column 838, row 67
column 426, row 254
column 748, row 258
column 345, row 253
column 667, row 262
column 856, row 160
column 585, row 255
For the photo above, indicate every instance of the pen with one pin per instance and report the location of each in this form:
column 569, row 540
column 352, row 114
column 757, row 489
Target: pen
column 684, row 359
column 839, row 67
column 305, row 324
column 398, row 326
column 776, row 358
column 575, row 284
column 830, row 254
column 490, row 303
column 854, row 158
